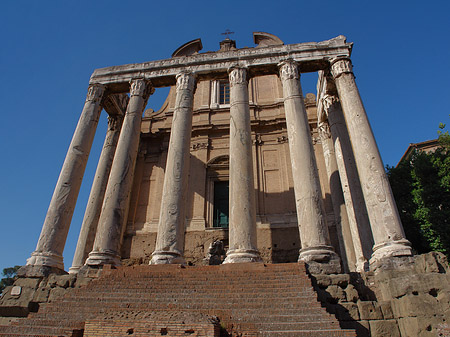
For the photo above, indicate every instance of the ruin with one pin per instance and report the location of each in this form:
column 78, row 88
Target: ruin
column 238, row 161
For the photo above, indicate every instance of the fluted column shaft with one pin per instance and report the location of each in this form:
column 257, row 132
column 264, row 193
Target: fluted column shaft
column 115, row 205
column 242, row 228
column 385, row 222
column 313, row 229
column 92, row 214
column 59, row 215
column 171, row 228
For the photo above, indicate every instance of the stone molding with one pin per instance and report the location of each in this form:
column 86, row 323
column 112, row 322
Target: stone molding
column 289, row 70
column 237, row 75
column 341, row 66
column 312, row 55
column 95, row 92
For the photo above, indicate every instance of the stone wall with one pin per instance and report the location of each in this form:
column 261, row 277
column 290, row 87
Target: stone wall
column 404, row 297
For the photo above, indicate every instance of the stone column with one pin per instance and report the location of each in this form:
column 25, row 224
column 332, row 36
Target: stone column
column 242, row 228
column 170, row 239
column 53, row 237
column 95, row 201
column 351, row 189
column 340, row 213
column 117, row 195
column 316, row 249
column 385, row 222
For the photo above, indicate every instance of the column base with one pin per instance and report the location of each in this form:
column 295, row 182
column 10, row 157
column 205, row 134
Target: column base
column 97, row 258
column 390, row 249
column 320, row 260
column 242, row 256
column 74, row 269
column 46, row 259
column 165, row 257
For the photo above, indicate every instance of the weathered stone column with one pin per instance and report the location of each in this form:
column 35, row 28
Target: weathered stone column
column 385, row 222
column 117, row 195
column 170, row 238
column 344, row 235
column 242, row 228
column 351, row 189
column 316, row 249
column 53, row 237
column 95, row 201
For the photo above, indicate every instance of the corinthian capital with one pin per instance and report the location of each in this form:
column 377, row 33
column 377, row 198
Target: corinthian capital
column 185, row 81
column 288, row 70
column 341, row 66
column 140, row 87
column 328, row 101
column 95, row 92
column 237, row 75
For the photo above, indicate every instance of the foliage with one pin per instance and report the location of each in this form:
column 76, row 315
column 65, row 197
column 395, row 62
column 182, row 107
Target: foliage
column 421, row 187
column 9, row 274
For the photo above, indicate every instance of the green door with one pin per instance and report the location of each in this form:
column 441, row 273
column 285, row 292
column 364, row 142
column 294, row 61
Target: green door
column 221, row 205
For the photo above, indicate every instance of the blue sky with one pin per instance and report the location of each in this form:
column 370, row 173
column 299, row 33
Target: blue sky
column 50, row 48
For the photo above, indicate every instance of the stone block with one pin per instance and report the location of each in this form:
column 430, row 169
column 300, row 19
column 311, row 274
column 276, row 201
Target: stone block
column 351, row 293
column 386, row 309
column 347, row 312
column 56, row 293
column 443, row 298
column 41, row 295
column 337, row 293
column 27, row 282
column 369, row 310
column 425, row 326
column 322, row 281
column 433, row 262
column 341, row 280
column 16, row 305
column 383, row 328
column 414, row 305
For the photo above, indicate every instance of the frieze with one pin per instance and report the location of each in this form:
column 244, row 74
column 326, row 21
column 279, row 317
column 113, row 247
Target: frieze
column 341, row 66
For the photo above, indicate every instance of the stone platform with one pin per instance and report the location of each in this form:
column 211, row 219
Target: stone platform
column 227, row 300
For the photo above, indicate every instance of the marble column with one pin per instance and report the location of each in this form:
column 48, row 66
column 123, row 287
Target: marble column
column 385, row 222
column 344, row 235
column 242, row 227
column 53, row 237
column 92, row 214
column 354, row 200
column 115, row 205
column 316, row 249
column 171, row 228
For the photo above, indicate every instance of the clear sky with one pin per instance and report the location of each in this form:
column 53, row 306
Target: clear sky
column 49, row 49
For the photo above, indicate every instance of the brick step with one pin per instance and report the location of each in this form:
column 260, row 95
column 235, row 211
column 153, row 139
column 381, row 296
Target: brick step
column 309, row 333
column 289, row 326
column 35, row 330
column 210, row 282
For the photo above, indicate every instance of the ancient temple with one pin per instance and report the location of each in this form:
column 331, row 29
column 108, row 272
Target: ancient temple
column 231, row 211
column 236, row 154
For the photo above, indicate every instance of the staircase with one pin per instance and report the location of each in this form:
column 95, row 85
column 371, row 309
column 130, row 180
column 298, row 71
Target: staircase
column 249, row 300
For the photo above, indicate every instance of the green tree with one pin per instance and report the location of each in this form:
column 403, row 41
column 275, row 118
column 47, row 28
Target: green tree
column 9, row 275
column 421, row 187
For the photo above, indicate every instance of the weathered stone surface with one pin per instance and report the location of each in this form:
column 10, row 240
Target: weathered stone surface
column 351, row 293
column 16, row 306
column 337, row 293
column 369, row 310
column 341, row 280
column 386, row 309
column 426, row 326
column 347, row 312
column 57, row 293
column 414, row 305
column 383, row 328
column 41, row 295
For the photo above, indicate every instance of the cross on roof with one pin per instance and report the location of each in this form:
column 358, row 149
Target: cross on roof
column 227, row 33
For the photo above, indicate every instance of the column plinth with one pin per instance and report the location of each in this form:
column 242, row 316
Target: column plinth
column 116, row 201
column 242, row 228
column 316, row 249
column 92, row 214
column 54, row 232
column 170, row 238
column 384, row 219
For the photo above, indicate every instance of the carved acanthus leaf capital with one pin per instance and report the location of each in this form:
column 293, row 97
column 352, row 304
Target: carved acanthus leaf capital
column 341, row 66
column 185, row 81
column 288, row 70
column 328, row 101
column 237, row 75
column 141, row 87
column 324, row 130
column 95, row 92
